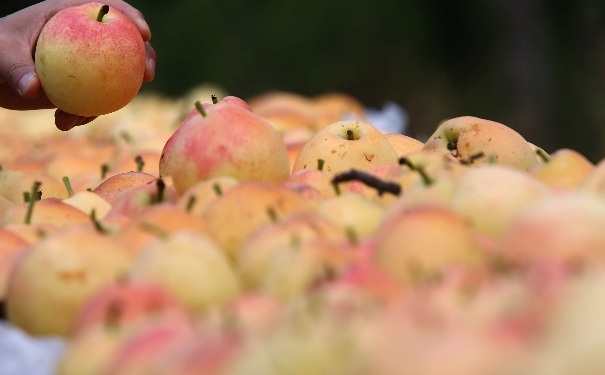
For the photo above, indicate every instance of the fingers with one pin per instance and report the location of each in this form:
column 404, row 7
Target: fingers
column 65, row 121
column 17, row 69
column 150, row 63
column 10, row 99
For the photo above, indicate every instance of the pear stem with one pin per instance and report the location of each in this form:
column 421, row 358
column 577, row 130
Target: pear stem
column 70, row 190
column 102, row 12
column 97, row 223
column 217, row 189
column 32, row 199
column 543, row 154
column 336, row 188
column 140, row 163
column 350, row 135
column 272, row 214
column 352, row 235
column 161, row 186
column 104, row 170
column 320, row 164
column 190, row 203
column 214, row 99
column 369, row 180
column 200, row 108
column 426, row 179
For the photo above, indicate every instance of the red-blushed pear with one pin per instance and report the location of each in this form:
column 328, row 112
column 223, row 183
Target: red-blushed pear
column 352, row 212
column 368, row 280
column 425, row 241
column 90, row 59
column 31, row 233
column 344, row 145
column 404, row 144
column 565, row 169
column 564, row 229
column 154, row 222
column 210, row 351
column 247, row 206
column 462, row 137
column 141, row 351
column 296, row 268
column 190, row 266
column 51, row 282
column 197, row 198
column 255, row 312
column 491, row 196
column 125, row 304
column 52, row 212
column 228, row 140
column 189, row 120
column 316, row 178
column 87, row 201
column 109, row 318
column 113, row 187
column 13, row 183
column 293, row 231
column 571, row 344
column 138, row 199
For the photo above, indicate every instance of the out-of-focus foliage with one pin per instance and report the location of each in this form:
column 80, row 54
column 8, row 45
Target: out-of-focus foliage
column 537, row 66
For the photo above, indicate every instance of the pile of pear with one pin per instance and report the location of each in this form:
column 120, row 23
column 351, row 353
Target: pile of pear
column 286, row 234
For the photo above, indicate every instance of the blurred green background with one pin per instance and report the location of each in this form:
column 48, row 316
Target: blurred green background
column 537, row 66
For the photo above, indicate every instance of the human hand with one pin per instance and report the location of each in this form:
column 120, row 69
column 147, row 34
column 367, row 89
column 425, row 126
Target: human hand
column 20, row 87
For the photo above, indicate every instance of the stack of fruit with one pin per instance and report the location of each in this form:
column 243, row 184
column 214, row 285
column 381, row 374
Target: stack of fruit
column 269, row 236
column 285, row 234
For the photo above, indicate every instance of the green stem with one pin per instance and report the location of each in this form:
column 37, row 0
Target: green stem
column 272, row 214
column 320, row 164
column 67, row 184
column 102, row 12
column 426, row 179
column 217, row 190
column 350, row 135
column 32, row 199
column 214, row 99
column 97, row 223
column 104, row 170
column 161, row 185
column 200, row 108
column 336, row 188
column 190, row 203
column 543, row 154
column 140, row 163
column 352, row 235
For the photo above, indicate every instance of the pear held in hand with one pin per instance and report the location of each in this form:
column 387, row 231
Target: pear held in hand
column 90, row 59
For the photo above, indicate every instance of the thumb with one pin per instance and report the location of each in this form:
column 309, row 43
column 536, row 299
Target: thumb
column 21, row 76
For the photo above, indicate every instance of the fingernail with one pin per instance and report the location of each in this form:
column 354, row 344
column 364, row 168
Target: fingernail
column 24, row 83
column 151, row 66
